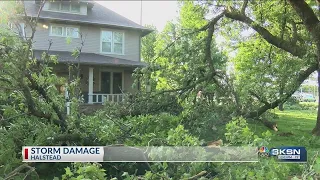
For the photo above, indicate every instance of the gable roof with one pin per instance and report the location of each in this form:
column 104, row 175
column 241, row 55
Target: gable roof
column 97, row 15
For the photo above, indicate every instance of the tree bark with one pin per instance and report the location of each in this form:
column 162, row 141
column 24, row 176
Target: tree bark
column 281, row 107
column 281, row 94
column 312, row 24
column 316, row 129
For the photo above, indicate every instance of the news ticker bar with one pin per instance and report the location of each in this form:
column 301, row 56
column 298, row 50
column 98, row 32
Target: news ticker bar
column 138, row 154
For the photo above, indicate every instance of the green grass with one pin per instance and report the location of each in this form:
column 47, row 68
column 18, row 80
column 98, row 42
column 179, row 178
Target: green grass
column 299, row 123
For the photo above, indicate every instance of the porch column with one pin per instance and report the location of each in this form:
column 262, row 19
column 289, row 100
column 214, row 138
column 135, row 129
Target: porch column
column 90, row 93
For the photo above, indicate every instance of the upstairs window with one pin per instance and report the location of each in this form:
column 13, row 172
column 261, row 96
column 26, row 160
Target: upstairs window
column 65, row 7
column 56, row 30
column 112, row 42
column 55, row 6
column 72, row 32
column 64, row 31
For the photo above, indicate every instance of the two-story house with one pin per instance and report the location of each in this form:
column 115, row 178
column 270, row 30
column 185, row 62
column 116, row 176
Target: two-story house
column 110, row 52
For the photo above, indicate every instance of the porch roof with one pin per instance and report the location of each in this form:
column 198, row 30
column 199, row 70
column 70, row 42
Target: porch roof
column 89, row 58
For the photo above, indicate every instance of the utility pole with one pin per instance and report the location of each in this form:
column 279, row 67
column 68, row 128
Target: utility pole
column 141, row 13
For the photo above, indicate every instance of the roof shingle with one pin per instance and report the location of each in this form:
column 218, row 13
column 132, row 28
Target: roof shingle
column 90, row 58
column 98, row 15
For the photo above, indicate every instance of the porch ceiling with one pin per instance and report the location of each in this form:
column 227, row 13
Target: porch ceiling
column 90, row 59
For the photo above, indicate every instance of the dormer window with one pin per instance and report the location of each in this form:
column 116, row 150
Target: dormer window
column 65, row 7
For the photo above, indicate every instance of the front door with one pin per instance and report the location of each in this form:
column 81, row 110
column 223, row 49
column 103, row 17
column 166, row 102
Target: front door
column 117, row 83
column 105, row 82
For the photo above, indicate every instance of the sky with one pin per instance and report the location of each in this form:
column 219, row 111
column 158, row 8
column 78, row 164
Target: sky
column 155, row 13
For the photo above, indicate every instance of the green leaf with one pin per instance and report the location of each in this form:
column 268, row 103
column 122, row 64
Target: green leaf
column 68, row 171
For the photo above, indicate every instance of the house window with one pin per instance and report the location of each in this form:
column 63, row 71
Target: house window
column 64, row 31
column 72, row 32
column 55, row 6
column 64, row 7
column 112, row 42
column 57, row 31
column 107, row 41
column 75, row 8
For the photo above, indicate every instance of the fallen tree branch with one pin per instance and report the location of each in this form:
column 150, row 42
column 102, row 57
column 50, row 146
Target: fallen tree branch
column 202, row 173
column 31, row 104
column 211, row 25
column 17, row 171
column 44, row 94
column 259, row 98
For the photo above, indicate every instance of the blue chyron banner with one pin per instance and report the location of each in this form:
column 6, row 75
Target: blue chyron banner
column 289, row 154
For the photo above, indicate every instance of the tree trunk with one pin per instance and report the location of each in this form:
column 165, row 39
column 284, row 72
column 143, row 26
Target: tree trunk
column 316, row 130
column 281, row 107
column 281, row 94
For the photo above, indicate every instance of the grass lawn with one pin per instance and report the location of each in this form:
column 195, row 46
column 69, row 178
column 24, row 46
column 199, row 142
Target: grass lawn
column 299, row 123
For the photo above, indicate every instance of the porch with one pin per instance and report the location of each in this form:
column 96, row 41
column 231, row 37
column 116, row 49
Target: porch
column 103, row 78
column 103, row 83
column 106, row 84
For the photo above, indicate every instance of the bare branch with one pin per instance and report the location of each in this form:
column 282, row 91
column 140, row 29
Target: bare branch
column 33, row 24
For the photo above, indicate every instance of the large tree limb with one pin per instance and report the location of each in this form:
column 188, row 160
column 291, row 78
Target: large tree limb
column 276, row 41
column 31, row 104
column 301, row 77
column 259, row 98
column 307, row 15
column 44, row 94
column 208, row 57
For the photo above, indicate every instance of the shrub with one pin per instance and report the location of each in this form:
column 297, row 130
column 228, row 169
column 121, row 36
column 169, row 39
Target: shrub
column 302, row 106
column 309, row 105
column 203, row 119
column 143, row 104
column 80, row 171
column 292, row 101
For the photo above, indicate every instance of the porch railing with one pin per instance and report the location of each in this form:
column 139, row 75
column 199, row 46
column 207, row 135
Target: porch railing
column 101, row 98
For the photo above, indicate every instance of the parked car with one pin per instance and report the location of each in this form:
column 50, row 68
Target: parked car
column 297, row 96
column 306, row 97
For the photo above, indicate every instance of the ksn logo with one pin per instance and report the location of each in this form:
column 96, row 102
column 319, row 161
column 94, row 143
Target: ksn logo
column 285, row 154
